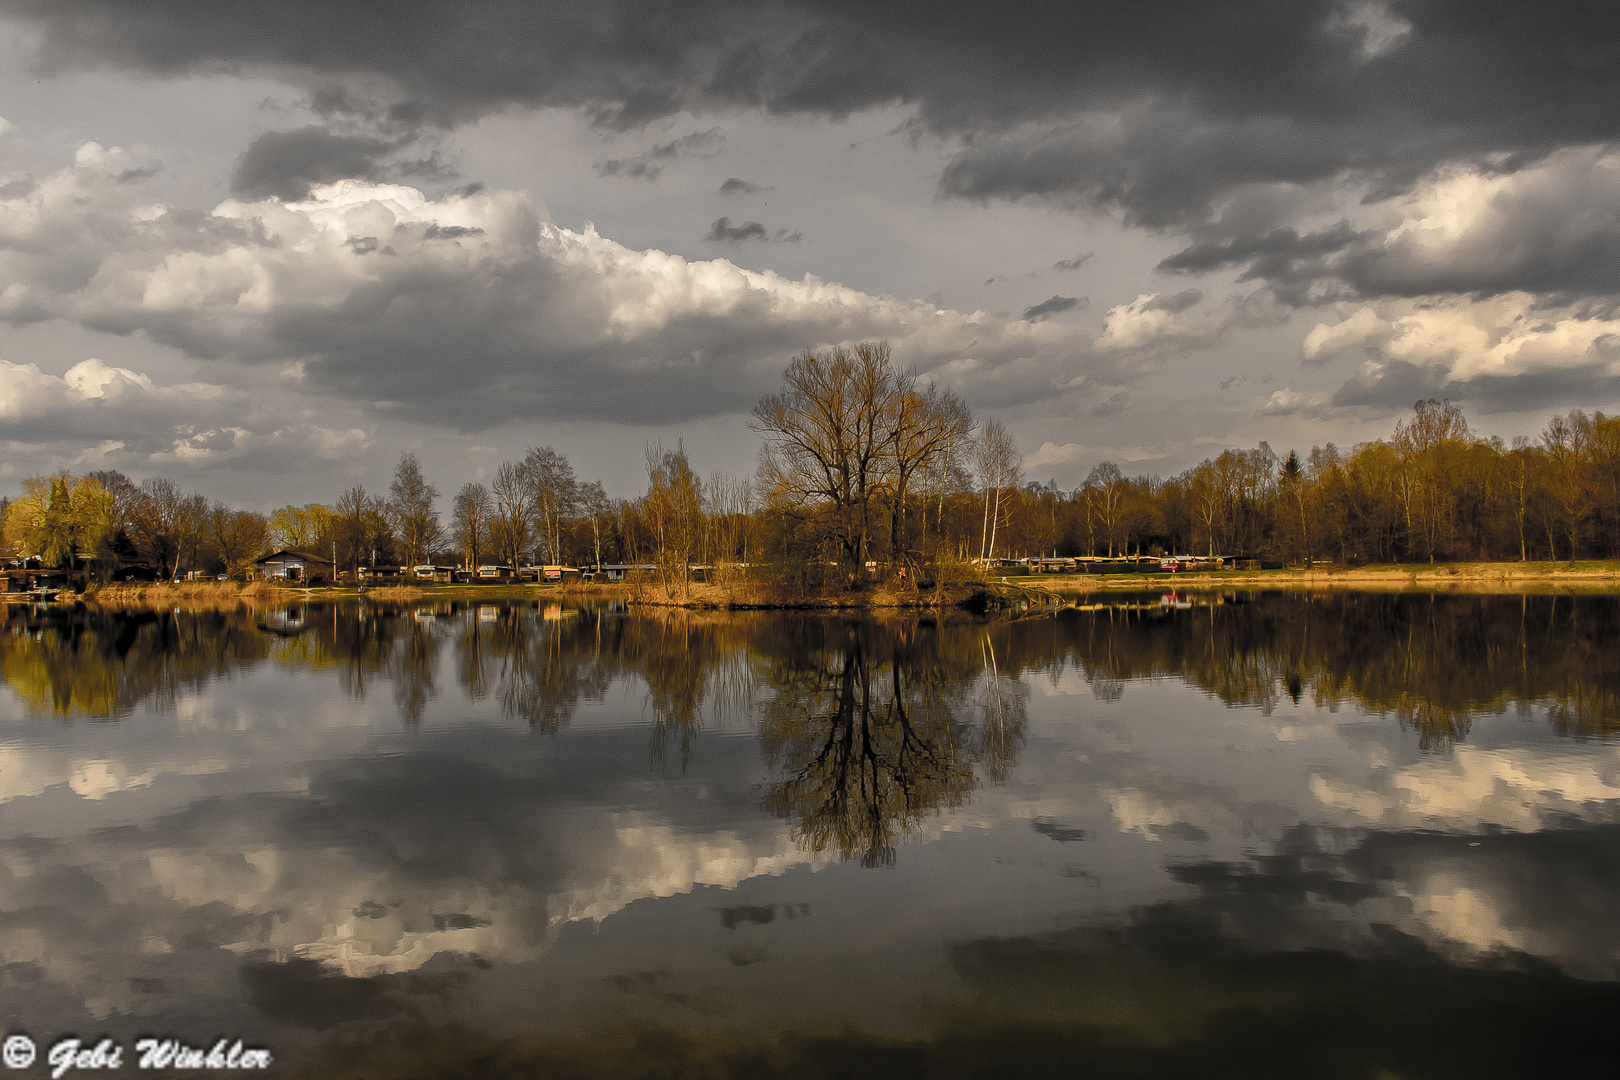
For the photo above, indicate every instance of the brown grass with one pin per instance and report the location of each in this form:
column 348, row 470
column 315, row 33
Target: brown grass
column 266, row 589
column 396, row 592
column 753, row 594
column 186, row 594
column 1593, row 575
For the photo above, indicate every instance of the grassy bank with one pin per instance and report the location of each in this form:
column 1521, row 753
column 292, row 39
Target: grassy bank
column 186, row 594
column 993, row 592
column 230, row 592
column 1587, row 576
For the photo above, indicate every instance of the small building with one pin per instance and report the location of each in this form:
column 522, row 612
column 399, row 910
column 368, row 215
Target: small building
column 622, row 571
column 433, row 573
column 496, row 573
column 289, row 564
column 34, row 581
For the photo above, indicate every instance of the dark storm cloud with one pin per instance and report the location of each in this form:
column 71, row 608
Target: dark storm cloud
column 284, row 164
column 1552, row 229
column 1111, row 405
column 1073, row 264
column 724, row 232
column 1175, row 303
column 738, row 186
column 1049, row 307
column 1207, row 96
column 648, row 164
column 1392, row 385
column 538, row 321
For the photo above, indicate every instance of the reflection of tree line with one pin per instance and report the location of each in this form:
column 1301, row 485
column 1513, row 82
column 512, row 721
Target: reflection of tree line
column 88, row 662
column 867, row 727
column 1434, row 662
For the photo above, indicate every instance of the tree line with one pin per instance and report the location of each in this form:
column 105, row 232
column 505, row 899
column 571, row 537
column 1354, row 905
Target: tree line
column 1433, row 491
column 861, row 465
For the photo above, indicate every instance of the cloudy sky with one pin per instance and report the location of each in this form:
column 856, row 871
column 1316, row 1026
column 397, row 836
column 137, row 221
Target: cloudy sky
column 266, row 248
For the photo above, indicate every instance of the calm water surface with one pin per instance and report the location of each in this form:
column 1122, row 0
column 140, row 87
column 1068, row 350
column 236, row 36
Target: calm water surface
column 1346, row 835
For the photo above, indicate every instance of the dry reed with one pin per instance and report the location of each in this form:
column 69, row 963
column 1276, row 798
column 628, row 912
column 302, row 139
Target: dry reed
column 186, row 594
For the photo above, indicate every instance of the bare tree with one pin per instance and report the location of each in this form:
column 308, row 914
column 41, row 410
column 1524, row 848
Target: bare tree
column 473, row 512
column 513, row 522
column 1000, row 467
column 673, row 511
column 826, row 448
column 554, row 492
column 125, row 495
column 360, row 523
column 922, row 429
column 157, row 524
column 237, row 536
column 594, row 503
column 193, row 530
column 410, row 507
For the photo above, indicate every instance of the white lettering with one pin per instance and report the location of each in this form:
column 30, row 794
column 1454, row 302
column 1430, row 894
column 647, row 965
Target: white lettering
column 174, row 1054
column 73, row 1054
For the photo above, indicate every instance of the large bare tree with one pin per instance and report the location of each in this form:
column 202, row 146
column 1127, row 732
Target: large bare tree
column 825, row 442
column 846, row 439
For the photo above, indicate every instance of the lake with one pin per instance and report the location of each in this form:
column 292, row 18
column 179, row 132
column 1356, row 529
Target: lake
column 1193, row 834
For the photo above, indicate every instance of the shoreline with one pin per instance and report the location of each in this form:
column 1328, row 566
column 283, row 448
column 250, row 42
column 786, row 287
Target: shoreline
column 1588, row 575
column 993, row 593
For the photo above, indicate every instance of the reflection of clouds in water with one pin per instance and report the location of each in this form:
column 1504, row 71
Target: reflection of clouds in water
column 649, row 858
column 98, row 779
column 1466, row 916
column 1139, row 812
column 27, row 771
column 272, row 817
column 1552, row 894
column 1515, row 787
column 374, row 873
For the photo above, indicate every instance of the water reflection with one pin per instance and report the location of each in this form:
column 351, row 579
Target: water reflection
column 1142, row 834
column 1432, row 662
column 867, row 729
column 100, row 664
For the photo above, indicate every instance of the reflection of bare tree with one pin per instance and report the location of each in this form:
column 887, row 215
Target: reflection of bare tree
column 1001, row 729
column 1104, row 687
column 863, row 742
column 412, row 667
column 472, row 657
column 546, row 667
column 676, row 676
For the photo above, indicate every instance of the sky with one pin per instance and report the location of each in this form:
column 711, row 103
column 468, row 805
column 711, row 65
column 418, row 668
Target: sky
column 266, row 249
